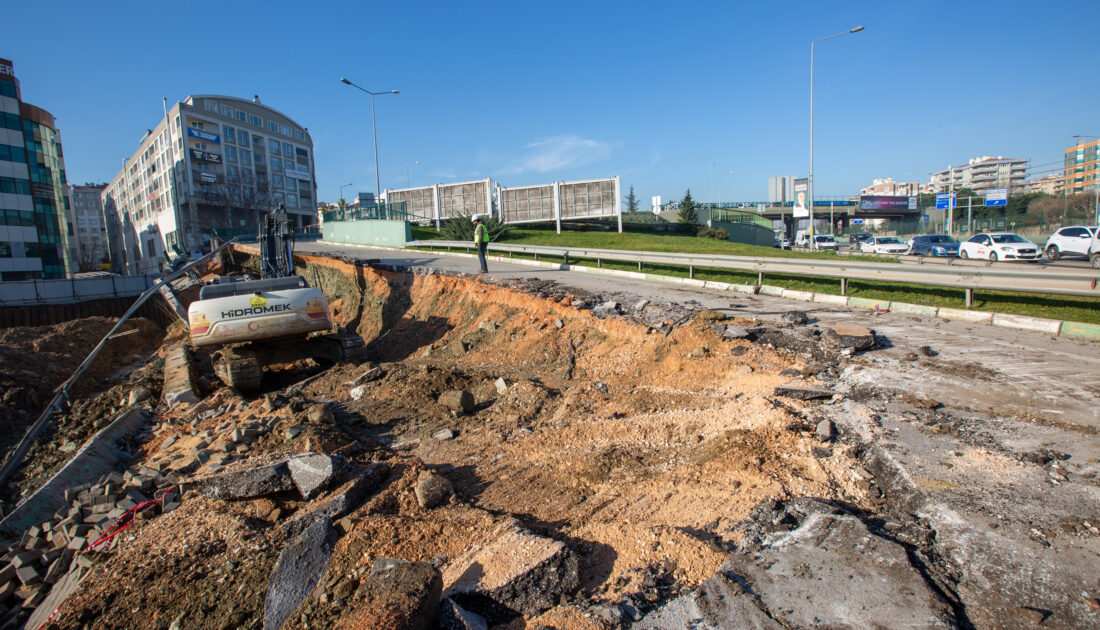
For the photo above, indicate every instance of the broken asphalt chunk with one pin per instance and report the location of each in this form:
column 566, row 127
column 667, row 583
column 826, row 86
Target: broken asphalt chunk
column 300, row 565
column 312, row 472
column 398, row 594
column 515, row 569
column 803, row 393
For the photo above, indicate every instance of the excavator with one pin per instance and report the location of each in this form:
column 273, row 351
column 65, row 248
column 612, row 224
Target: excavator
column 277, row 318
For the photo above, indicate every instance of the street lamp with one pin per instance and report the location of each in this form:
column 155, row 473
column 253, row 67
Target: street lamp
column 813, row 239
column 374, row 129
column 407, row 167
column 342, row 189
column 720, row 189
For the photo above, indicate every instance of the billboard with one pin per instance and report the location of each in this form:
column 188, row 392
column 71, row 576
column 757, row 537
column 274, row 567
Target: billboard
column 884, row 202
column 597, row 198
column 465, row 199
column 996, row 197
column 800, row 190
column 529, row 203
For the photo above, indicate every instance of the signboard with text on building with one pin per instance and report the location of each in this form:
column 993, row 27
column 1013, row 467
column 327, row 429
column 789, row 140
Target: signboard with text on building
column 996, row 197
column 203, row 135
column 296, row 173
column 205, row 156
column 884, row 202
column 945, row 201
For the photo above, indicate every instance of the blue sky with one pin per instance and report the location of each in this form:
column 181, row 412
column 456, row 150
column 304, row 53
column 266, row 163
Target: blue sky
column 531, row 92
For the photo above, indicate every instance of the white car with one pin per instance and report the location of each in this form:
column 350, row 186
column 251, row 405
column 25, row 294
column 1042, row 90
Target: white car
column 825, row 241
column 883, row 245
column 999, row 246
column 1070, row 241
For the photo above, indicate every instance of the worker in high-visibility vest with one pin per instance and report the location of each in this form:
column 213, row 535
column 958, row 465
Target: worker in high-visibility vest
column 481, row 240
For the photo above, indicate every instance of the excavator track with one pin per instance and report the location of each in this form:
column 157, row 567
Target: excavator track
column 239, row 368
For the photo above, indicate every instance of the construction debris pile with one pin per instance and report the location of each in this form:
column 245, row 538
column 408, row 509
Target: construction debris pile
column 515, row 455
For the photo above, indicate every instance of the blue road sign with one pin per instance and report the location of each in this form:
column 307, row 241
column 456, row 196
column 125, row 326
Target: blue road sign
column 857, row 221
column 944, row 200
column 996, row 197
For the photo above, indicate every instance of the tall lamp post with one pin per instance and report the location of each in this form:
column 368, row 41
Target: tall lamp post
column 813, row 239
column 720, row 189
column 407, row 167
column 1096, row 185
column 342, row 189
column 374, row 129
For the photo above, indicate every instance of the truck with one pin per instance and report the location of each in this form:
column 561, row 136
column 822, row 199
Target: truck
column 278, row 318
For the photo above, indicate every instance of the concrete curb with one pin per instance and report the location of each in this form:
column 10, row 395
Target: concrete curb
column 98, row 457
column 1077, row 330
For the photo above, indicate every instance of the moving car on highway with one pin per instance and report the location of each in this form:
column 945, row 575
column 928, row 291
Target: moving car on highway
column 999, row 246
column 825, row 241
column 1070, row 241
column 855, row 239
column 934, row 245
column 883, row 245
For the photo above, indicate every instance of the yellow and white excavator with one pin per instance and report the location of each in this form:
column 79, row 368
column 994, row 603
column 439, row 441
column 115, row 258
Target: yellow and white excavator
column 275, row 319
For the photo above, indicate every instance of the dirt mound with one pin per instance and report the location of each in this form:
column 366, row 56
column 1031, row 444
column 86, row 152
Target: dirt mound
column 35, row 360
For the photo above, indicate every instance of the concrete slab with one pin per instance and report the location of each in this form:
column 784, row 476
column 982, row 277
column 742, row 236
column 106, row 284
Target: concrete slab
column 718, row 604
column 828, row 298
column 964, row 315
column 1023, row 322
column 178, row 382
column 299, row 566
column 916, row 309
column 832, row 572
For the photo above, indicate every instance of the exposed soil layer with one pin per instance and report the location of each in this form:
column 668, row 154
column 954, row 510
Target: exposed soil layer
column 34, row 361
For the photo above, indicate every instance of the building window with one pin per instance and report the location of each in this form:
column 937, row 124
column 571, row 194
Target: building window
column 227, row 111
column 299, row 135
column 195, row 124
column 259, row 158
column 231, row 171
column 241, row 116
column 273, row 145
column 277, row 180
column 276, row 163
column 246, row 174
column 230, row 136
column 288, row 151
column 230, row 154
column 255, row 121
column 284, row 130
column 210, row 106
column 291, row 184
column 273, row 126
column 246, row 157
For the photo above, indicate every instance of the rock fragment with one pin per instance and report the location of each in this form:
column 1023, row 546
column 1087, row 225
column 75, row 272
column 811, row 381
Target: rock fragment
column 803, row 393
column 455, row 617
column 457, row 400
column 848, row 335
column 432, row 489
column 717, row 604
column 397, row 595
column 245, row 483
column 320, row 414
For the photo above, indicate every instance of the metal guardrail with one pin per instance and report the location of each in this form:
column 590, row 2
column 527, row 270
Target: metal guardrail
column 1049, row 280
column 28, row 292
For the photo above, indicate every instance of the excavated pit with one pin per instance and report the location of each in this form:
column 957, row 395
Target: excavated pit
column 643, row 443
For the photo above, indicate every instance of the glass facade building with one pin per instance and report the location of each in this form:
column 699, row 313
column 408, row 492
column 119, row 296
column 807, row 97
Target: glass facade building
column 34, row 207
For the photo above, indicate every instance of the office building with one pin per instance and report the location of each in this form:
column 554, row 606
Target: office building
column 781, row 189
column 89, row 239
column 34, row 230
column 210, row 168
column 1082, row 167
column 983, row 173
column 1051, row 185
column 888, row 187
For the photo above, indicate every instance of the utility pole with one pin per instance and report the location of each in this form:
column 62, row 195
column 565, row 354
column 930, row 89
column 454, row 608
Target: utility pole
column 969, row 216
column 950, row 200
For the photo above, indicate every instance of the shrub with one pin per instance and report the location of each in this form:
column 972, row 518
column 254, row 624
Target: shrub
column 461, row 228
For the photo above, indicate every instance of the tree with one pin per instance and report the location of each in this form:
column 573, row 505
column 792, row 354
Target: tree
column 631, row 201
column 461, row 228
column 689, row 216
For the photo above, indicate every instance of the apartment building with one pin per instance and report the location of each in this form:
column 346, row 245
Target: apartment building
column 34, row 226
column 210, row 168
column 888, row 187
column 1082, row 167
column 984, row 172
column 1051, row 185
column 781, row 189
column 89, row 238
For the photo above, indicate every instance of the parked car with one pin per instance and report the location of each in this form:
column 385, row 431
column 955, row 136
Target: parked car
column 999, row 246
column 1070, row 241
column 1094, row 250
column 825, row 241
column 855, row 239
column 934, row 245
column 883, row 245
column 784, row 243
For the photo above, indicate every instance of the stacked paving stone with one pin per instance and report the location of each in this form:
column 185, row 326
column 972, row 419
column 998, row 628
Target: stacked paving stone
column 48, row 552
